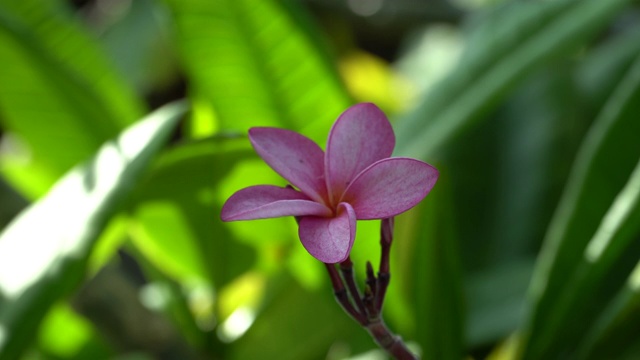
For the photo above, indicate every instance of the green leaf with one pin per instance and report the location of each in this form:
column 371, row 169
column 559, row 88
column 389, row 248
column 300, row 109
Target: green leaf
column 600, row 72
column 44, row 251
column 609, row 258
column 139, row 41
column 534, row 135
column 433, row 276
column 176, row 213
column 496, row 301
column 252, row 64
column 589, row 248
column 64, row 332
column 59, row 95
column 507, row 45
column 520, row 154
column 616, row 332
column 298, row 324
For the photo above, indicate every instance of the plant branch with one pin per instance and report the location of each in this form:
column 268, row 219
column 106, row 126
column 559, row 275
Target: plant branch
column 369, row 306
column 384, row 275
column 388, row 341
column 346, row 267
column 342, row 297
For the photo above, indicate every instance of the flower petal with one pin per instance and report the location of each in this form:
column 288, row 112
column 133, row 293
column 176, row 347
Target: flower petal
column 361, row 136
column 329, row 239
column 293, row 156
column 266, row 201
column 389, row 187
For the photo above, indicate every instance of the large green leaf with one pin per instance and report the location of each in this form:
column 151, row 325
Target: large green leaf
column 504, row 48
column 518, row 160
column 430, row 272
column 44, row 251
column 589, row 249
column 609, row 258
column 250, row 63
column 59, row 95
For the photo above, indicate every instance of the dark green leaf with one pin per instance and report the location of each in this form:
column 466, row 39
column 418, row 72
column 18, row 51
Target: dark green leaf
column 434, row 275
column 497, row 301
column 600, row 72
column 590, row 247
column 505, row 47
column 618, row 328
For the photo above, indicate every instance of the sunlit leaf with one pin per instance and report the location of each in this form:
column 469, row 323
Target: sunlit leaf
column 253, row 65
column 504, row 47
column 63, row 332
column 107, row 245
column 59, row 96
column 44, row 251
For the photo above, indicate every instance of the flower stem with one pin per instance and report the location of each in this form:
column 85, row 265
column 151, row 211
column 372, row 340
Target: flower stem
column 391, row 343
column 346, row 267
column 384, row 275
column 368, row 309
column 342, row 297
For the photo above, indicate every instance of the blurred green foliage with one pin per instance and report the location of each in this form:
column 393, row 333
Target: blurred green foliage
column 124, row 124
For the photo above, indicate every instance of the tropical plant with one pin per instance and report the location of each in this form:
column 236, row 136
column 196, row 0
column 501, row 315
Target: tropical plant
column 123, row 131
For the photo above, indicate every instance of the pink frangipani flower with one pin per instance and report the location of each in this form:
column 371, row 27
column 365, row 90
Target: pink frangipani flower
column 356, row 179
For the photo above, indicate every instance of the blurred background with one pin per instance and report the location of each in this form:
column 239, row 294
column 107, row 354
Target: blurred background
column 526, row 248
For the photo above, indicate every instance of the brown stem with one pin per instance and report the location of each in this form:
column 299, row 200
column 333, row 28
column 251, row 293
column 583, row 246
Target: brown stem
column 370, row 304
column 346, row 267
column 383, row 282
column 368, row 313
column 388, row 341
column 342, row 297
column 371, row 279
column 386, row 230
column 384, row 276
